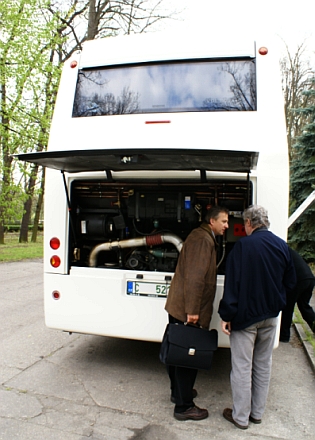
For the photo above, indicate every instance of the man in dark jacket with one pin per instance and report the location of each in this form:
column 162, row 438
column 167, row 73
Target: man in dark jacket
column 190, row 299
column 259, row 270
column 301, row 294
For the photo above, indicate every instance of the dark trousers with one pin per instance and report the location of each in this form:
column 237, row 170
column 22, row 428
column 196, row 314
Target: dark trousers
column 301, row 295
column 182, row 382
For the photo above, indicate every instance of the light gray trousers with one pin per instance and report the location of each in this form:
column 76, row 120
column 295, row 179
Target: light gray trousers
column 251, row 354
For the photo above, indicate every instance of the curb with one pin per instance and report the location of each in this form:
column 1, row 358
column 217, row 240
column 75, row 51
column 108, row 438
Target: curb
column 308, row 348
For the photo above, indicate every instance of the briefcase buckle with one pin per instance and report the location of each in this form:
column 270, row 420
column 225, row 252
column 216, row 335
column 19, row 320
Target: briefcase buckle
column 192, row 351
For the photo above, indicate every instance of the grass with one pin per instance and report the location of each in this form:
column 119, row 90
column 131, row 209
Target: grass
column 309, row 334
column 12, row 250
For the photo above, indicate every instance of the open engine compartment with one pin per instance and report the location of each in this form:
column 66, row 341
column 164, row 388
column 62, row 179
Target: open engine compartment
column 141, row 225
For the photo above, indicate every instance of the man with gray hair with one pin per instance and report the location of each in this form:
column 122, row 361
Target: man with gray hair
column 259, row 271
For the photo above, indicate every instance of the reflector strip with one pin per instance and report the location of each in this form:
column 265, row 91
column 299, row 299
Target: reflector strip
column 56, row 294
column 157, row 122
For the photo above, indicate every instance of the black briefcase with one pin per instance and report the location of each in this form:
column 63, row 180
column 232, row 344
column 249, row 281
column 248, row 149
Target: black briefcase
column 188, row 346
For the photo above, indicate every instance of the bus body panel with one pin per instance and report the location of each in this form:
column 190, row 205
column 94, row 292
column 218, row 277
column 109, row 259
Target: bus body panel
column 161, row 46
column 94, row 300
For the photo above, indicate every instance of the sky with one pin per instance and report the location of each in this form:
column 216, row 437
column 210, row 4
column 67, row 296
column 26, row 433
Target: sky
column 289, row 20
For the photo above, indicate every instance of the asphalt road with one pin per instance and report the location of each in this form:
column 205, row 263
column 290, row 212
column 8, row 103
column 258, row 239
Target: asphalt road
column 60, row 387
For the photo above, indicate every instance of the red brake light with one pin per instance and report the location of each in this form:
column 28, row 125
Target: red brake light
column 55, row 261
column 54, row 243
column 263, row 51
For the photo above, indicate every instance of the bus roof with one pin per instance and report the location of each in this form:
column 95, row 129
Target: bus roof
column 137, row 48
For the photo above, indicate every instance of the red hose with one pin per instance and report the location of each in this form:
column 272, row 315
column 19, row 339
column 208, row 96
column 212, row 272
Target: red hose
column 154, row 240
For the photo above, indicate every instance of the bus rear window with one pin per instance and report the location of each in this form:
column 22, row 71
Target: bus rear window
column 194, row 86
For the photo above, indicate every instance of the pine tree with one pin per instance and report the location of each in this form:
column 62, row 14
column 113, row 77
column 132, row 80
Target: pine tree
column 302, row 232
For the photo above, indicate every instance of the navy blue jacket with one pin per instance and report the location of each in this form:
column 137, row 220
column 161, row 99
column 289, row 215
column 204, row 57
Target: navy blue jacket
column 259, row 271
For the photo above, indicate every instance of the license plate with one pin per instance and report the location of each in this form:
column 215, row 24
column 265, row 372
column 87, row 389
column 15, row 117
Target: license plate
column 140, row 288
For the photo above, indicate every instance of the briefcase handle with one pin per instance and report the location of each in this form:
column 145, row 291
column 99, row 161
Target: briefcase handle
column 197, row 325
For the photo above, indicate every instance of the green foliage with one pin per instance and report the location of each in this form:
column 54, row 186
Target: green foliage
column 36, row 37
column 28, row 82
column 11, row 201
column 302, row 233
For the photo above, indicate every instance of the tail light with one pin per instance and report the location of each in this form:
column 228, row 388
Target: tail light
column 55, row 261
column 263, row 50
column 54, row 243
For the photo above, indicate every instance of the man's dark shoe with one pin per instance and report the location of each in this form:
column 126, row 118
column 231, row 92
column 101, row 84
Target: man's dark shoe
column 253, row 420
column 193, row 413
column 284, row 340
column 194, row 393
column 227, row 414
column 284, row 336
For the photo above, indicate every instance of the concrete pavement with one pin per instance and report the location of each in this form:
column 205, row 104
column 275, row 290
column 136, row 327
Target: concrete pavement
column 59, row 387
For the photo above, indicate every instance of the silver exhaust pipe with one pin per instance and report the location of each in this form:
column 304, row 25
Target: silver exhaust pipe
column 149, row 240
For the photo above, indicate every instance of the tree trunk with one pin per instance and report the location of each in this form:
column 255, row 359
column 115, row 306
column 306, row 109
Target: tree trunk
column 23, row 238
column 28, row 206
column 38, row 208
column 6, row 194
column 92, row 23
column 1, row 233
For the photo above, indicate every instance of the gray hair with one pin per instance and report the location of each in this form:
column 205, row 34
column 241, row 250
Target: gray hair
column 257, row 215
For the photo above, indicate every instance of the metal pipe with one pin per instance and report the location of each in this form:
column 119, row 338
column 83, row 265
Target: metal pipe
column 149, row 240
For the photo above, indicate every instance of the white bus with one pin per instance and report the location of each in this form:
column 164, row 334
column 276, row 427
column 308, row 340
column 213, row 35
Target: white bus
column 148, row 132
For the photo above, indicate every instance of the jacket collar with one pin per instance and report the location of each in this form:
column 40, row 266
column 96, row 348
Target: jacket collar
column 207, row 228
column 260, row 229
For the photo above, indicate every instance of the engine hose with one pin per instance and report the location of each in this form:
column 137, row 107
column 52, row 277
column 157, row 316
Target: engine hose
column 222, row 258
column 154, row 240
